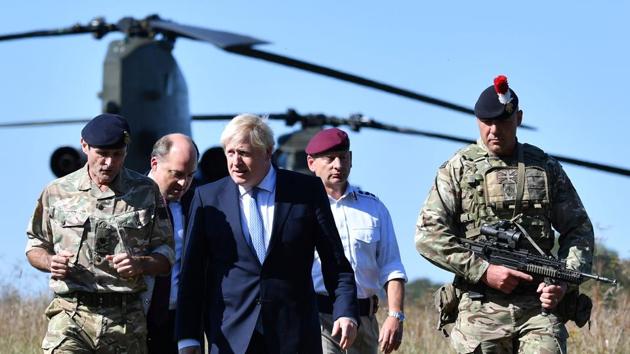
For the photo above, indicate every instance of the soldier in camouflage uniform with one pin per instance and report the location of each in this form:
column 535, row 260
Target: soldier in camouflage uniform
column 98, row 231
column 500, row 178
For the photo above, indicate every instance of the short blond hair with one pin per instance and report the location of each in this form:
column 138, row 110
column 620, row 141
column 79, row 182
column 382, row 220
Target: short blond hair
column 249, row 128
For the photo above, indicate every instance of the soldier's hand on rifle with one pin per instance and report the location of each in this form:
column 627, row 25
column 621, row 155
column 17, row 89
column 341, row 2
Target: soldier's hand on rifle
column 59, row 267
column 503, row 278
column 126, row 266
column 550, row 294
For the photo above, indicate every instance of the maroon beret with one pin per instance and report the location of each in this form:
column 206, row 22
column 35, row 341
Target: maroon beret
column 332, row 139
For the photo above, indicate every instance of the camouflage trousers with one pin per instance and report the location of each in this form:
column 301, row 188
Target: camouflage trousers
column 76, row 328
column 501, row 323
column 365, row 343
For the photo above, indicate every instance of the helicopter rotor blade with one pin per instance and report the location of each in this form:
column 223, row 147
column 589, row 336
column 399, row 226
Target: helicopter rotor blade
column 97, row 26
column 593, row 165
column 322, row 70
column 237, row 44
column 43, row 123
column 242, row 45
column 220, row 39
column 356, row 122
column 47, row 33
column 569, row 160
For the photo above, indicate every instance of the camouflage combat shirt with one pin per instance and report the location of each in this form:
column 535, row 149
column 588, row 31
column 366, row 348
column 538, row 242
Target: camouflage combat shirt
column 473, row 188
column 73, row 214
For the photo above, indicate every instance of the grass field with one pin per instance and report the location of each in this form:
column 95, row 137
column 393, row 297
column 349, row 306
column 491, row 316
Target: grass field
column 22, row 325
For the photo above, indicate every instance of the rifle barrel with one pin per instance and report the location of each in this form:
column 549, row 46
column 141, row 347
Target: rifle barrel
column 600, row 278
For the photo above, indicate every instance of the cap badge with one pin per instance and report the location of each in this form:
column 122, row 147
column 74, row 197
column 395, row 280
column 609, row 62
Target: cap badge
column 126, row 137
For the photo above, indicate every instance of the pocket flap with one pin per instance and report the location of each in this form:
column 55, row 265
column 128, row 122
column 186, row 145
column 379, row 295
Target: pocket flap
column 135, row 220
column 368, row 235
column 71, row 218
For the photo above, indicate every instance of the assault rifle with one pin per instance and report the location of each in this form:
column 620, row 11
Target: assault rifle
column 502, row 248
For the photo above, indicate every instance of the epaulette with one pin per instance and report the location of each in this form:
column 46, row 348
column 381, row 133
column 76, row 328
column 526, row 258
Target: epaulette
column 367, row 194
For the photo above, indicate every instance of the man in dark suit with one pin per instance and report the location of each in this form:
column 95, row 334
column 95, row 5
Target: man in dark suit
column 173, row 164
column 252, row 238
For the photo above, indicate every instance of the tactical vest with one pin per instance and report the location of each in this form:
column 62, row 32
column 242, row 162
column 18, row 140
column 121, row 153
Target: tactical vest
column 489, row 193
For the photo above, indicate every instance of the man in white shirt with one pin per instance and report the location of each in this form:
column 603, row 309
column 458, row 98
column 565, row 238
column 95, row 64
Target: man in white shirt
column 369, row 243
column 173, row 164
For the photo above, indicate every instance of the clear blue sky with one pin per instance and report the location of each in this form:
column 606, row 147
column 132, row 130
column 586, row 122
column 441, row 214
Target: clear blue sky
column 568, row 62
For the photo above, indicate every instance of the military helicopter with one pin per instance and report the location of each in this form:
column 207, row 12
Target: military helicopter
column 143, row 82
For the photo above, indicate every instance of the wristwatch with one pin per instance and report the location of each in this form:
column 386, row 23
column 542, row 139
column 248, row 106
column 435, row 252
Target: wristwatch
column 399, row 315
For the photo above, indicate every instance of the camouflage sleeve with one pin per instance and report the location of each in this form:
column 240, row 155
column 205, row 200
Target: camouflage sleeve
column 569, row 218
column 38, row 230
column 438, row 227
column 162, row 231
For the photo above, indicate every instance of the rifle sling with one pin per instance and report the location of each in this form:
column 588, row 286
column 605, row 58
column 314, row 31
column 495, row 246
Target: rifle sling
column 520, row 180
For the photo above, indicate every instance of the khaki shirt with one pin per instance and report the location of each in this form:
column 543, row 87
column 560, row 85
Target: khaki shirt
column 73, row 214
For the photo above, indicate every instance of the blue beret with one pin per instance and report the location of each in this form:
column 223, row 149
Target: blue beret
column 107, row 131
column 332, row 139
column 489, row 106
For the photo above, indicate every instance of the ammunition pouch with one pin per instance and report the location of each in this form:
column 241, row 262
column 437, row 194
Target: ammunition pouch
column 446, row 300
column 575, row 307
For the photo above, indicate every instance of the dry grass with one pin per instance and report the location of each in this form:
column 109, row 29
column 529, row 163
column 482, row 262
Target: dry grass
column 420, row 334
column 22, row 321
column 608, row 333
column 22, row 325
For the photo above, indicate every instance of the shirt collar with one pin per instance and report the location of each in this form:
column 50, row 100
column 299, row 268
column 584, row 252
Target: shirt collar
column 267, row 184
column 117, row 186
column 351, row 193
column 483, row 146
column 85, row 183
column 488, row 153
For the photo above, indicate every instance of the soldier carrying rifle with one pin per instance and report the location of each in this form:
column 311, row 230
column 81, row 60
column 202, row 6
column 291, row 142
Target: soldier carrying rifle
column 500, row 178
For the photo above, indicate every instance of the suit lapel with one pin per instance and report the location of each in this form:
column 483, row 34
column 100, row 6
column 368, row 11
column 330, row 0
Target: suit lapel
column 230, row 205
column 282, row 207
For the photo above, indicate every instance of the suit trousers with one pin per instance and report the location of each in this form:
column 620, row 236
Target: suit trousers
column 161, row 338
column 365, row 343
column 257, row 344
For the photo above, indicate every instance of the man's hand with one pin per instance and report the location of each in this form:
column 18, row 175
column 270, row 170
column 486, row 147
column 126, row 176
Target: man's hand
column 59, row 267
column 348, row 332
column 391, row 335
column 126, row 266
column 504, row 279
column 550, row 295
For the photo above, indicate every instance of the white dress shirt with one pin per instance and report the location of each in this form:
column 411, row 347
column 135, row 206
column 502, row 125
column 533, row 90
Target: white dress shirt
column 369, row 242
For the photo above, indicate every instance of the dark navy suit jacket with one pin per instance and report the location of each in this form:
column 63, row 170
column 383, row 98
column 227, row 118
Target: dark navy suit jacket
column 223, row 281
